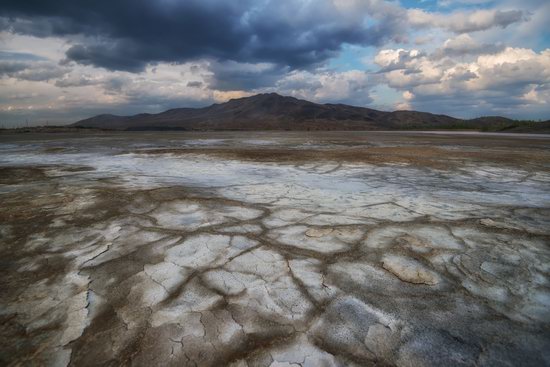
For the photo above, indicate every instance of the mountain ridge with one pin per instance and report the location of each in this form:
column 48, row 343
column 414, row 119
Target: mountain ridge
column 271, row 111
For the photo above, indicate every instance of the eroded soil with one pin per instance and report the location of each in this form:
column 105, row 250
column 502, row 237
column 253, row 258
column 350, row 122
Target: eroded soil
column 274, row 249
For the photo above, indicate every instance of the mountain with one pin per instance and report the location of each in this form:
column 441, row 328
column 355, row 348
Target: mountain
column 274, row 112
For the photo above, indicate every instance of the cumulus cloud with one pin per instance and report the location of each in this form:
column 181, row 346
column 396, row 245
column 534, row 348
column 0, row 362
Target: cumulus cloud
column 446, row 3
column 464, row 22
column 511, row 68
column 350, row 87
column 464, row 45
column 195, row 84
column 85, row 91
column 396, row 59
column 512, row 77
column 146, row 56
column 77, row 80
column 405, row 103
column 33, row 71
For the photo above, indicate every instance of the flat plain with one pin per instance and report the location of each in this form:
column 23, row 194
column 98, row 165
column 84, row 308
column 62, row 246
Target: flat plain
column 275, row 249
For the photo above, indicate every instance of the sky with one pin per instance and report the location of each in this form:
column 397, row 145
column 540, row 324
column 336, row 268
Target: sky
column 65, row 60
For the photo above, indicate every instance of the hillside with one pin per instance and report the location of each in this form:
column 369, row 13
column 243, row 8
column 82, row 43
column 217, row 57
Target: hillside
column 274, row 112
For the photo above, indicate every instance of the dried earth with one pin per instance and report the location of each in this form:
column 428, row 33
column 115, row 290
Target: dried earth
column 274, row 249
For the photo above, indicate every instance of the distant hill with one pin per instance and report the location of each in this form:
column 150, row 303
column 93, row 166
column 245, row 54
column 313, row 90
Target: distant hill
column 275, row 112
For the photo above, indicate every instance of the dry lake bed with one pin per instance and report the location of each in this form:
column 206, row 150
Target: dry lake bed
column 274, row 249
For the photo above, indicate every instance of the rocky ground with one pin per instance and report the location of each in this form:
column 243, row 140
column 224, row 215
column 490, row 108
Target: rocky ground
column 274, row 249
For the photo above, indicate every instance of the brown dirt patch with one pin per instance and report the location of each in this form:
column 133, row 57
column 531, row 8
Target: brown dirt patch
column 421, row 155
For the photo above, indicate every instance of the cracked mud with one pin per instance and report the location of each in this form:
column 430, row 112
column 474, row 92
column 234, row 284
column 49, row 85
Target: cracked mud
column 327, row 249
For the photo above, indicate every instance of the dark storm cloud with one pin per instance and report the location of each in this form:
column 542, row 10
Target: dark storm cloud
column 112, row 56
column 231, row 75
column 129, row 34
column 8, row 68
